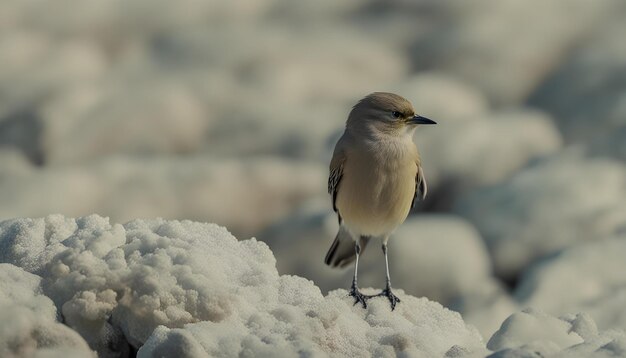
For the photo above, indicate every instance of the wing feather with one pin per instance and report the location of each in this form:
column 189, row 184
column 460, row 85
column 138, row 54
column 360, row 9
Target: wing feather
column 421, row 188
column 334, row 178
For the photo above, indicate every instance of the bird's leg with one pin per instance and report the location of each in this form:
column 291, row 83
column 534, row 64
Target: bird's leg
column 354, row 290
column 393, row 299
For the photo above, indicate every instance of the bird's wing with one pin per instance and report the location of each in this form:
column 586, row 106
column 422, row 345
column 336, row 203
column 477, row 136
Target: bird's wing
column 420, row 185
column 336, row 173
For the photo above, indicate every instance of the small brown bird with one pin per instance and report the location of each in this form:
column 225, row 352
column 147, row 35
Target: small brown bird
column 375, row 177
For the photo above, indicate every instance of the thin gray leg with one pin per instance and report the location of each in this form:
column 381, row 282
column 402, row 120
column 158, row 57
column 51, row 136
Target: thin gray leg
column 388, row 279
column 393, row 299
column 354, row 290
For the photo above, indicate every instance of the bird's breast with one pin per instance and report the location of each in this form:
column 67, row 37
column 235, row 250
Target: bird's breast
column 376, row 191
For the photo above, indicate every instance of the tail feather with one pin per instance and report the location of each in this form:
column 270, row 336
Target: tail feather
column 342, row 252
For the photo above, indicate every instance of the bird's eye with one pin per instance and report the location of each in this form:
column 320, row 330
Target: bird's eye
column 396, row 114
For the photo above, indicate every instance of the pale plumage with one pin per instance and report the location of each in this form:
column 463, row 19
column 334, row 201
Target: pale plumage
column 375, row 177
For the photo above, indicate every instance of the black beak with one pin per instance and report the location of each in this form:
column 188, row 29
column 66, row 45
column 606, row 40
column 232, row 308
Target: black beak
column 421, row 120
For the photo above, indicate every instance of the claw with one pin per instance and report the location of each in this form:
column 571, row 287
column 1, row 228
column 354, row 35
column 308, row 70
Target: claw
column 393, row 299
column 359, row 297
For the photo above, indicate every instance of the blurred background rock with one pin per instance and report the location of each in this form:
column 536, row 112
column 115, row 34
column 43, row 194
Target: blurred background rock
column 227, row 112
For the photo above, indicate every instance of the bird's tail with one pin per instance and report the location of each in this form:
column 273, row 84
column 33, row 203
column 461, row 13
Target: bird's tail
column 342, row 251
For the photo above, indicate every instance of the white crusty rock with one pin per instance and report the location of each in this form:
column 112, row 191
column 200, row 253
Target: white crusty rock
column 610, row 344
column 29, row 320
column 23, row 333
column 547, row 207
column 532, row 333
column 18, row 287
column 612, row 144
column 273, row 78
column 123, row 118
column 228, row 191
column 14, row 162
column 439, row 256
column 116, row 283
column 489, row 38
column 586, row 93
column 186, row 289
column 548, row 334
column 302, row 322
column 486, row 306
column 465, row 153
column 105, row 278
column 588, row 277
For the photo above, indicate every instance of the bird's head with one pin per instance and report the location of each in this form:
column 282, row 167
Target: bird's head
column 383, row 112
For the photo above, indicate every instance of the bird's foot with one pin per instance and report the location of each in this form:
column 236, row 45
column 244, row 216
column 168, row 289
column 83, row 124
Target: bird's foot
column 358, row 296
column 393, row 299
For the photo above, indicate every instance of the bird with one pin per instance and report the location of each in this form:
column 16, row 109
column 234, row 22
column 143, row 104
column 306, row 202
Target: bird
column 374, row 180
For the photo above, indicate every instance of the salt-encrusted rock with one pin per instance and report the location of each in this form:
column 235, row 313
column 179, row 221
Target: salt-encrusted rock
column 584, row 278
column 303, row 322
column 194, row 187
column 123, row 281
column 29, row 320
column 462, row 154
column 555, row 204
